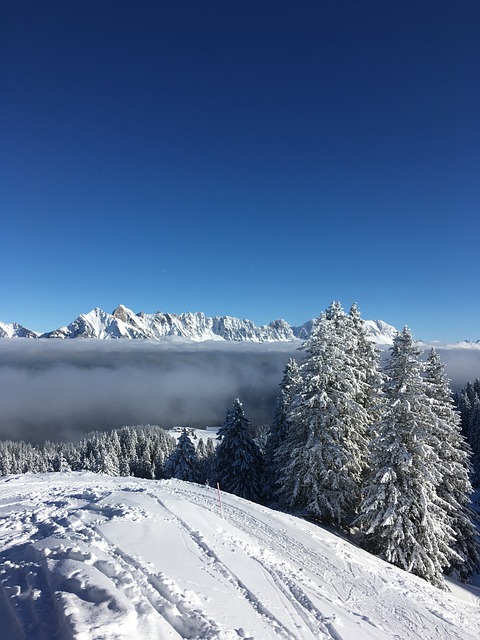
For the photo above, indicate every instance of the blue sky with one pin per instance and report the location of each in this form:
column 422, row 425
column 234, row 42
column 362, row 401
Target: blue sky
column 250, row 158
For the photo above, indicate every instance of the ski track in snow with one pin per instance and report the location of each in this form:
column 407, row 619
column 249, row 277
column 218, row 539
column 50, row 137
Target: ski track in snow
column 225, row 572
column 309, row 613
column 88, row 557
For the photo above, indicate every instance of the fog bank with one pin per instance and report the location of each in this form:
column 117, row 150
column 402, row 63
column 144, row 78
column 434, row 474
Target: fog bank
column 59, row 390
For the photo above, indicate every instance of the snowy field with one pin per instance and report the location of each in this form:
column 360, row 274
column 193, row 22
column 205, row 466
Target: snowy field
column 89, row 557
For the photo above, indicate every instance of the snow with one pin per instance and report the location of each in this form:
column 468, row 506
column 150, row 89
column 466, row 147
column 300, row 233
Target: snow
column 85, row 556
column 195, row 434
column 15, row 330
column 125, row 323
column 380, row 332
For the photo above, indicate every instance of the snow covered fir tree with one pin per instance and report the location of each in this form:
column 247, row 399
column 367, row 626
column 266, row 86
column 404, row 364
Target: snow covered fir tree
column 403, row 518
column 455, row 487
column 183, row 463
column 238, row 462
column 277, row 457
column 468, row 403
column 380, row 452
column 323, row 455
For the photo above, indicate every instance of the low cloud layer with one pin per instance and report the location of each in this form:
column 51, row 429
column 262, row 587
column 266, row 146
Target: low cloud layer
column 462, row 361
column 62, row 389
column 59, row 390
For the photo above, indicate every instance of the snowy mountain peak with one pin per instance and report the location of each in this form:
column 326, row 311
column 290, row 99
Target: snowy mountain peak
column 380, row 332
column 15, row 330
column 123, row 313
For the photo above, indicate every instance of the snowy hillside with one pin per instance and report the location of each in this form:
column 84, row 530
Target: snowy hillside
column 124, row 323
column 94, row 557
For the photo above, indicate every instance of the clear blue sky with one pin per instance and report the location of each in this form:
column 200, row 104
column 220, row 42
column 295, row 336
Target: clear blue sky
column 251, row 158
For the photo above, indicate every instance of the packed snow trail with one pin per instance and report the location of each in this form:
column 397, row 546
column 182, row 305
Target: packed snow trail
column 88, row 557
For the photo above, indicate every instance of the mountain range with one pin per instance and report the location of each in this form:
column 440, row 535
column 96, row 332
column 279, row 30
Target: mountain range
column 124, row 323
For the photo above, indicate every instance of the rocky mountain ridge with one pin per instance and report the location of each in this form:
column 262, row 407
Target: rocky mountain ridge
column 124, row 323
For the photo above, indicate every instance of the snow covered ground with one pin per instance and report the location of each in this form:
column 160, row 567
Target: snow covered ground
column 89, row 557
column 195, row 434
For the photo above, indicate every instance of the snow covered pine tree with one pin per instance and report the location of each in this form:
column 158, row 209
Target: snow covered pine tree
column 183, row 462
column 326, row 443
column 402, row 518
column 455, row 487
column 274, row 461
column 238, row 461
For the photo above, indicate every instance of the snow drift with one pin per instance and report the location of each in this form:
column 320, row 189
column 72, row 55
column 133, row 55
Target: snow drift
column 85, row 556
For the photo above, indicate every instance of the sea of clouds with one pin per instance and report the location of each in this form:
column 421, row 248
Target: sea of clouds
column 56, row 389
column 61, row 389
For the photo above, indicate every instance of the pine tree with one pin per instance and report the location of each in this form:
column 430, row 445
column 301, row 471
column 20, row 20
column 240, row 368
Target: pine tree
column 474, row 439
column 468, row 403
column 104, row 458
column 60, row 464
column 123, row 467
column 201, row 451
column 205, row 455
column 238, row 462
column 327, row 436
column 5, row 459
column 368, row 369
column 402, row 518
column 183, row 462
column 465, row 407
column 274, row 458
column 455, row 487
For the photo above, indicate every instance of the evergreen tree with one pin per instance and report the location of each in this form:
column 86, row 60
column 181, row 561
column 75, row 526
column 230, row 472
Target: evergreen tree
column 205, row 455
column 5, row 459
column 468, row 403
column 474, row 440
column 159, row 465
column 402, row 518
column 454, row 488
column 108, row 462
column 210, row 448
column 207, row 461
column 274, row 458
column 238, row 462
column 367, row 369
column 123, row 467
column 201, row 451
column 464, row 406
column 60, row 463
column 327, row 436
column 141, row 466
column 183, row 462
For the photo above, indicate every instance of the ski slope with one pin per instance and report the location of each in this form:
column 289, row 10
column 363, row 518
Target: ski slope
column 94, row 557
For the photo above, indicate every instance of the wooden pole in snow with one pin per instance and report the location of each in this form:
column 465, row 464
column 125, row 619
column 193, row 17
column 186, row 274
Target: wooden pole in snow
column 220, row 500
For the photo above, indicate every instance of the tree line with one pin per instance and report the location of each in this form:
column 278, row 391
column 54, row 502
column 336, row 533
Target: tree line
column 379, row 453
column 142, row 452
column 468, row 403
